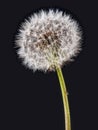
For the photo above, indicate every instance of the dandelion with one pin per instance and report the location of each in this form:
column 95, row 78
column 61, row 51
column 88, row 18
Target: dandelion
column 47, row 41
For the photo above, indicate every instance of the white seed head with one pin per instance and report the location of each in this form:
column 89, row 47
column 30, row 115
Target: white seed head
column 48, row 39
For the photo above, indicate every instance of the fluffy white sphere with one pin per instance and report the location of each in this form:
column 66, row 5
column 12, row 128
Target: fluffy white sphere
column 48, row 39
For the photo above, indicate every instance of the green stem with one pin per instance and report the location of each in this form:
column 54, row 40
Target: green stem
column 65, row 98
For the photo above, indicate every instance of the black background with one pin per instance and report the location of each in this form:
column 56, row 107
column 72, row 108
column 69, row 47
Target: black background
column 32, row 101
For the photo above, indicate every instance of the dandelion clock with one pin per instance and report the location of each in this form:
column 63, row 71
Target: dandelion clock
column 46, row 42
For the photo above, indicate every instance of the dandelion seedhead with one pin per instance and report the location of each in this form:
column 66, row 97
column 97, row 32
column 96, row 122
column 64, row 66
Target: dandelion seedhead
column 48, row 39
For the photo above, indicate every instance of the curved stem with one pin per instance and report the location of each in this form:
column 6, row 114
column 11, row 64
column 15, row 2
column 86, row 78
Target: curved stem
column 65, row 99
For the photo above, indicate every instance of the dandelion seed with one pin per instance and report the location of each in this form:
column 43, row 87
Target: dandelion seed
column 48, row 39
